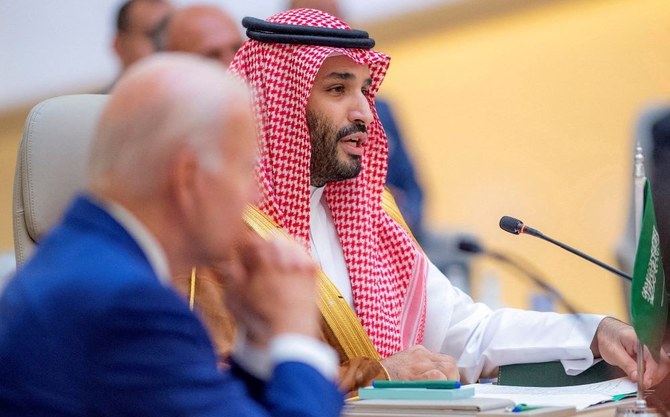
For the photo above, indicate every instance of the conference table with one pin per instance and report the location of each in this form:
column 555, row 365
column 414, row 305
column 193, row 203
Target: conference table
column 605, row 410
column 658, row 397
column 601, row 410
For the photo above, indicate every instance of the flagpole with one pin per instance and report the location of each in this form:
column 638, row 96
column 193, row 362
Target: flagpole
column 640, row 179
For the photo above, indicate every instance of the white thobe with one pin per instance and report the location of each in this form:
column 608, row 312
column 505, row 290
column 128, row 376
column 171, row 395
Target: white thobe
column 480, row 339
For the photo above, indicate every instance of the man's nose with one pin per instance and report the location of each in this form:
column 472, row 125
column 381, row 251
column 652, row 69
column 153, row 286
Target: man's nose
column 360, row 111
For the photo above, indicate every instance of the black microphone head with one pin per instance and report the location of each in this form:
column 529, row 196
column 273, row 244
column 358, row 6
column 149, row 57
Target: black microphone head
column 511, row 225
column 470, row 246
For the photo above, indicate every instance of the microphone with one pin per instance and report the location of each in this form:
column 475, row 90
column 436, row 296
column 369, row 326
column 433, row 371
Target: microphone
column 471, row 246
column 516, row 226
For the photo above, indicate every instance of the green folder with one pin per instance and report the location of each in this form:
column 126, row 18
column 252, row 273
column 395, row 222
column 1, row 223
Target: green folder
column 552, row 374
column 370, row 393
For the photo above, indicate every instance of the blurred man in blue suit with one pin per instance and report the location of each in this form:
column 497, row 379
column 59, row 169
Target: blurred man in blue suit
column 90, row 326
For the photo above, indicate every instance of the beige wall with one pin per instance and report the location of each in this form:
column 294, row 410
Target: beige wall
column 11, row 127
column 526, row 113
column 530, row 114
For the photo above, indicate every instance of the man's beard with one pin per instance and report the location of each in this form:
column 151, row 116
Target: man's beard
column 325, row 166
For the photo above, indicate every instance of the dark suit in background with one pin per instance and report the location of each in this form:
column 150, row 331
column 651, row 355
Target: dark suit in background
column 401, row 176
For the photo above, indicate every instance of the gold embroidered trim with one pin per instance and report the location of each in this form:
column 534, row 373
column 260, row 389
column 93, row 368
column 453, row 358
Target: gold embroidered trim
column 386, row 372
column 191, row 296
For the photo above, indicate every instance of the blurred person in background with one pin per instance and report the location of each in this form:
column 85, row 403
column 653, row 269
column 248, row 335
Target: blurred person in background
column 203, row 30
column 136, row 24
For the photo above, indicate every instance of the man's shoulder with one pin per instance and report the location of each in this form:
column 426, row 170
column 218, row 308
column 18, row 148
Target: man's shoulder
column 78, row 268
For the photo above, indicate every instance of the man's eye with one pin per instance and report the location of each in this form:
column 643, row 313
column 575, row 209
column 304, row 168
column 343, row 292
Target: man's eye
column 337, row 89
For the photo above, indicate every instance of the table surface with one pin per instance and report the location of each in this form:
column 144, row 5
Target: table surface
column 605, row 410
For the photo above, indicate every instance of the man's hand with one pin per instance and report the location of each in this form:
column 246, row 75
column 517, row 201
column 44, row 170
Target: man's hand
column 617, row 344
column 271, row 288
column 417, row 362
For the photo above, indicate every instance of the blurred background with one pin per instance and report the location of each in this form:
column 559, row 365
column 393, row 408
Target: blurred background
column 518, row 107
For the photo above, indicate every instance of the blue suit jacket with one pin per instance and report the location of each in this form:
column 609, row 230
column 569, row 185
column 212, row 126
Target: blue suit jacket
column 86, row 328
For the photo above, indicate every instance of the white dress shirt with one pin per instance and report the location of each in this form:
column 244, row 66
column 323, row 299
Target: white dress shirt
column 479, row 338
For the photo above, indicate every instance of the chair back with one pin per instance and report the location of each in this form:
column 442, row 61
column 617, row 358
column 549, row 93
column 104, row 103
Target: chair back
column 51, row 164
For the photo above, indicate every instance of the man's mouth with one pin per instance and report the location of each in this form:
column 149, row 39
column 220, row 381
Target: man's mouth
column 355, row 143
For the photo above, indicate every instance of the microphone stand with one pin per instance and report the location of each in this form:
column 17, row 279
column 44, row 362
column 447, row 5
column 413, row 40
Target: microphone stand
column 474, row 248
column 541, row 283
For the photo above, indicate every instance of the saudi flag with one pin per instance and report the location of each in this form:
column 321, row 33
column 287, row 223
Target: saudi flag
column 649, row 304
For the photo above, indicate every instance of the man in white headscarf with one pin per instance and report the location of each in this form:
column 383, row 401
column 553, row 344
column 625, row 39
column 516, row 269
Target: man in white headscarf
column 323, row 161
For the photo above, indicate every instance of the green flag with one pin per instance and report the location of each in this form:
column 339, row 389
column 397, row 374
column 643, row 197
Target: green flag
column 649, row 304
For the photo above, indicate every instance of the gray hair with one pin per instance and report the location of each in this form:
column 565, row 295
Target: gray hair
column 161, row 105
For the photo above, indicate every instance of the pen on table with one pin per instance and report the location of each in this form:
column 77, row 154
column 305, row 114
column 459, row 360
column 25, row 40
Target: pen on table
column 519, row 408
column 430, row 384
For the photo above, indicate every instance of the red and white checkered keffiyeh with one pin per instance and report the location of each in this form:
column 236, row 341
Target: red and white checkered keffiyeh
column 386, row 268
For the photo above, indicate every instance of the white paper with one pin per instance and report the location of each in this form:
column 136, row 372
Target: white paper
column 578, row 396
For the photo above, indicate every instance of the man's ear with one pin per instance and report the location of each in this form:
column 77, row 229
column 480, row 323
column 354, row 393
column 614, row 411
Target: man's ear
column 184, row 182
column 116, row 44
